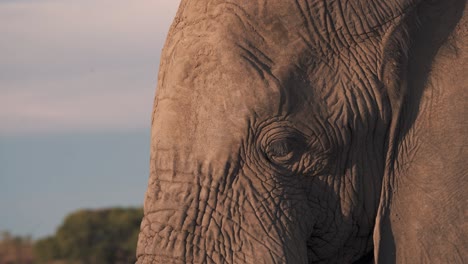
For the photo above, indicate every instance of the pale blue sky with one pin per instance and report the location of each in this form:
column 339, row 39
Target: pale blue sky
column 77, row 80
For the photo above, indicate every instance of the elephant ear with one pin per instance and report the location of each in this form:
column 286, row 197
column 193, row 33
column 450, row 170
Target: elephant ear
column 422, row 212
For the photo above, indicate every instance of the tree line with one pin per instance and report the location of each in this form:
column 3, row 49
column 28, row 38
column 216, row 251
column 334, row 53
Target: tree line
column 85, row 237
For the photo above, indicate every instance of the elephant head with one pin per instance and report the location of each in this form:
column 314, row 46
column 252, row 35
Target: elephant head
column 288, row 131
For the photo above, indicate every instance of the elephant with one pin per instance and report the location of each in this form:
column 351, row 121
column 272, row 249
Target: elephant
column 310, row 131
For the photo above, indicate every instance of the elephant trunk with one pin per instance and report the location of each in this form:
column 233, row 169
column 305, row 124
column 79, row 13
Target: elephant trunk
column 209, row 215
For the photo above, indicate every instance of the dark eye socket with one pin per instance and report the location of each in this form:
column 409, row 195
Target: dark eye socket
column 283, row 151
column 280, row 148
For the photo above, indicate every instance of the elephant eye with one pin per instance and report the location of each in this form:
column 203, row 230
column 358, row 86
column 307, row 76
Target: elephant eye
column 281, row 150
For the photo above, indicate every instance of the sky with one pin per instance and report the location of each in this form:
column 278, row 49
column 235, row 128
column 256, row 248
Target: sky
column 77, row 81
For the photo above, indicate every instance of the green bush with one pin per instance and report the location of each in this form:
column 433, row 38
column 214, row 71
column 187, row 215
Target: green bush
column 92, row 237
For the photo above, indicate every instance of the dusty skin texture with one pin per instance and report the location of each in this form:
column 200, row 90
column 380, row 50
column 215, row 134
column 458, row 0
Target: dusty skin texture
column 310, row 132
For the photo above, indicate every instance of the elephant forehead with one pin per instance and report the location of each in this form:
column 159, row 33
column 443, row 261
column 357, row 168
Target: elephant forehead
column 207, row 95
column 214, row 77
column 279, row 22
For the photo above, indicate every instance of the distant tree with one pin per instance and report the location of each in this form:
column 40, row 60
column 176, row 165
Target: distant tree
column 46, row 250
column 93, row 236
column 15, row 249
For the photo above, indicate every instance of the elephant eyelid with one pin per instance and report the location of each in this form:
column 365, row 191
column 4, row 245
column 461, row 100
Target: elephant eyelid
column 284, row 150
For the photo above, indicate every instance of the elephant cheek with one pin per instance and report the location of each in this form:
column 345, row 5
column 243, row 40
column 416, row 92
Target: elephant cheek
column 197, row 218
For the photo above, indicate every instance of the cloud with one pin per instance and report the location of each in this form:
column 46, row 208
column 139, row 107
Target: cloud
column 79, row 65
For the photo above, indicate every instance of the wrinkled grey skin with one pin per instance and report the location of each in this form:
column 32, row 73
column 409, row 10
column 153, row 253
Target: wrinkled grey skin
column 310, row 132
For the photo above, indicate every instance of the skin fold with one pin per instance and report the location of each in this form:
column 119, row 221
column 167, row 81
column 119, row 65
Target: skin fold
column 309, row 132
